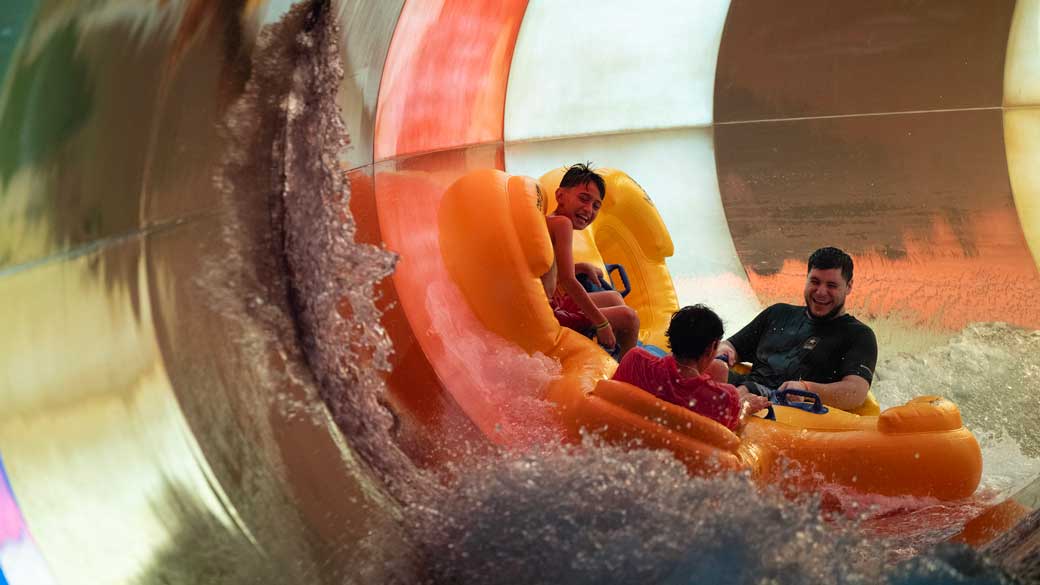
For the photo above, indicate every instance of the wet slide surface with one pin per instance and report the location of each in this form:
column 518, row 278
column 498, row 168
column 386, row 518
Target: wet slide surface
column 232, row 354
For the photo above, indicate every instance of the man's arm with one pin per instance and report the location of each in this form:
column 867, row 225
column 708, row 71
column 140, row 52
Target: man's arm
column 742, row 344
column 727, row 350
column 857, row 370
column 846, row 394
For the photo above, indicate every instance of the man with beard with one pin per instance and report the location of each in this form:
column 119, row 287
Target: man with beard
column 817, row 347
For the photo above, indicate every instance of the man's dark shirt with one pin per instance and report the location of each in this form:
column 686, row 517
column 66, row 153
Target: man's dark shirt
column 784, row 343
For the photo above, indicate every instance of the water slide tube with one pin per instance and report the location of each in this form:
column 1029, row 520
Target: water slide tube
column 156, row 391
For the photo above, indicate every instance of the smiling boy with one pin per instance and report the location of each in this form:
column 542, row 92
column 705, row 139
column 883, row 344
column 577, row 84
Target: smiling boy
column 579, row 198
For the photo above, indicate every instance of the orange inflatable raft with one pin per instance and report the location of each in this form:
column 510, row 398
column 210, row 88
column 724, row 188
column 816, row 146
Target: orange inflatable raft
column 491, row 223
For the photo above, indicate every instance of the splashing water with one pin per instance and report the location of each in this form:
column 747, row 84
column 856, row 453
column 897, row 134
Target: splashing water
column 605, row 515
column 992, row 372
column 600, row 514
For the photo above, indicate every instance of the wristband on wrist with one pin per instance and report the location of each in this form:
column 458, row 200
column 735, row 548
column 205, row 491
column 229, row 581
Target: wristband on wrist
column 603, row 325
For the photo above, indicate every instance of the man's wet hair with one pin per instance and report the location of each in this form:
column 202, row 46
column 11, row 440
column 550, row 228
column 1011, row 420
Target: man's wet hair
column 582, row 174
column 692, row 329
column 827, row 258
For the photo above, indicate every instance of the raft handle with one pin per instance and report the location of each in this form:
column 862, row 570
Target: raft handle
column 816, row 407
column 622, row 275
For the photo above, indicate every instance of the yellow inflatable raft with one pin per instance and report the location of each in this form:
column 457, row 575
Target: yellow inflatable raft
column 491, row 223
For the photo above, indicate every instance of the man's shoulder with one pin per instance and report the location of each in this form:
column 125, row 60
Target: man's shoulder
column 784, row 311
column 853, row 323
column 770, row 316
column 859, row 327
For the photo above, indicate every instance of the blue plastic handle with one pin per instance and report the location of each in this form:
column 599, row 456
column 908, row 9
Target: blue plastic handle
column 622, row 274
column 771, row 415
column 817, row 406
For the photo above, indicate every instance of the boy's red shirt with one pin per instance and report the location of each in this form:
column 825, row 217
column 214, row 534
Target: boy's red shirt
column 661, row 377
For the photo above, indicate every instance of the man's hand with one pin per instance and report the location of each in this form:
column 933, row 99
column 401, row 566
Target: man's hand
column 794, row 385
column 846, row 394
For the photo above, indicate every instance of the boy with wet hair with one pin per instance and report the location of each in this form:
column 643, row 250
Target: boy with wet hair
column 691, row 376
column 580, row 174
column 603, row 314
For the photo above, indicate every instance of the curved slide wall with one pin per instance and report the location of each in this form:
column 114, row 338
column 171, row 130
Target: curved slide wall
column 153, row 410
